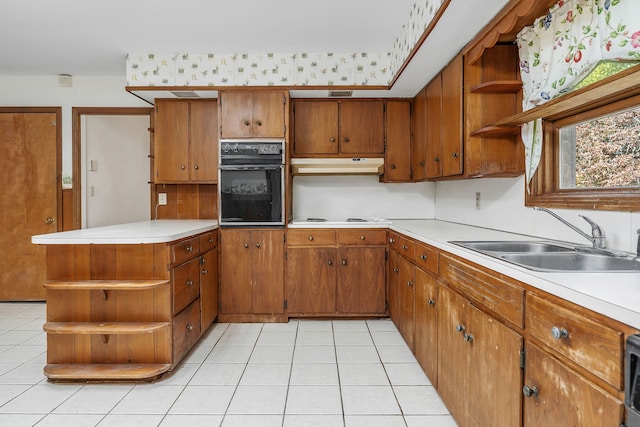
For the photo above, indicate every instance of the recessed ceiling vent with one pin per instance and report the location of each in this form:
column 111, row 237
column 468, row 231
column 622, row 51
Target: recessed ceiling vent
column 185, row 94
column 340, row 93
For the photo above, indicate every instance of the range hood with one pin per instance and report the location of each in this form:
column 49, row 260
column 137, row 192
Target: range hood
column 338, row 166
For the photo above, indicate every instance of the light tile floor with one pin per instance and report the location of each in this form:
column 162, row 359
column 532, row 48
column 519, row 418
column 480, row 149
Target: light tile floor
column 347, row 373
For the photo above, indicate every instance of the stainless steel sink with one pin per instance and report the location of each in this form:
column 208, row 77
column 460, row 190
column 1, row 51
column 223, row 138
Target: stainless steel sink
column 571, row 261
column 512, row 246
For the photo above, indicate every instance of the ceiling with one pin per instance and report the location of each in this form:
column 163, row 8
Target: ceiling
column 91, row 38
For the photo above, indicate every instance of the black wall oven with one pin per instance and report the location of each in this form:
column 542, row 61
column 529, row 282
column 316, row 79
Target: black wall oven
column 251, row 183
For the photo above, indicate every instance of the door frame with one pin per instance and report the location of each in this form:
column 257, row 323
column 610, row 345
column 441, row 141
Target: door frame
column 76, row 141
column 58, row 112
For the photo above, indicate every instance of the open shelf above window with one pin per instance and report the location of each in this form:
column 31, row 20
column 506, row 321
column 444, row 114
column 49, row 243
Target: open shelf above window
column 498, row 86
column 496, row 131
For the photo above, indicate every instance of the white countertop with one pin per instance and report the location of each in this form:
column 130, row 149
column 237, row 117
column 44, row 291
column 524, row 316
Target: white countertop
column 158, row 231
column 613, row 294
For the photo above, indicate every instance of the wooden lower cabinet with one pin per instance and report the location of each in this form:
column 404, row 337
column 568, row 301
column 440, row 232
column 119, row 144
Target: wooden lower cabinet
column 251, row 271
column 557, row 396
column 426, row 324
column 209, row 292
column 479, row 374
column 335, row 272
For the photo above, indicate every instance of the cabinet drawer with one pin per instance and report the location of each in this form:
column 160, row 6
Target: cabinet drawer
column 402, row 245
column 361, row 237
column 185, row 250
column 186, row 284
column 208, row 241
column 311, row 237
column 427, row 258
column 589, row 343
column 496, row 292
column 186, row 330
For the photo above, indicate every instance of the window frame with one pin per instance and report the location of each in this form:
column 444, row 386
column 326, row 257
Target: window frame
column 545, row 188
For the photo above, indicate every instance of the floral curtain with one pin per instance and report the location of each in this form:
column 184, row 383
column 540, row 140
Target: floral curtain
column 562, row 47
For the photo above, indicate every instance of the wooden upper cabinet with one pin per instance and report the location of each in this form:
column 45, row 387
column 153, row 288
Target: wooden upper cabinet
column 452, row 135
column 316, row 127
column 185, row 141
column 419, row 136
column 252, row 114
column 348, row 128
column 398, row 142
column 433, row 132
column 362, row 127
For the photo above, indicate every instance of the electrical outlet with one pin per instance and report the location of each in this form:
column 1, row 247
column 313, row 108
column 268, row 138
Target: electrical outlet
column 478, row 200
column 162, row 199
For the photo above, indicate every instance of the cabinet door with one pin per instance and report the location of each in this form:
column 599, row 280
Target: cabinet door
column 418, row 136
column 209, row 288
column 494, row 373
column 171, row 142
column 433, row 132
column 236, row 114
column 453, row 354
column 315, row 127
column 360, row 284
column 186, row 281
column 236, row 272
column 393, row 296
column 311, row 280
column 203, row 125
column 268, row 114
column 426, row 341
column 452, row 122
column 406, row 301
column 398, row 142
column 362, row 127
column 564, row 398
column 267, row 259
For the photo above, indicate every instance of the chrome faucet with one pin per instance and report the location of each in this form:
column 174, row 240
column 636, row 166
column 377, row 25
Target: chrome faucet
column 597, row 237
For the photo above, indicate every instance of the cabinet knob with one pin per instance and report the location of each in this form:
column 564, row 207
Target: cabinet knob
column 409, row 283
column 310, row 238
column 344, row 262
column 257, row 244
column 460, row 328
column 258, row 122
column 49, row 220
column 431, row 302
column 332, row 139
column 454, row 154
column 530, row 391
column 559, row 333
column 423, row 257
column 205, row 271
column 210, row 240
column 421, row 163
column 395, row 270
column 467, row 337
column 392, row 240
column 346, row 139
column 182, row 167
column 436, row 159
column 246, row 245
column 189, row 282
column 189, row 327
column 246, row 123
column 330, row 262
column 362, row 237
column 196, row 167
column 393, row 166
column 189, row 248
column 405, row 247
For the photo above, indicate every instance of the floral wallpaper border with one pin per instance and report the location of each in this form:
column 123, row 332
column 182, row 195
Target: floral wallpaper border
column 282, row 69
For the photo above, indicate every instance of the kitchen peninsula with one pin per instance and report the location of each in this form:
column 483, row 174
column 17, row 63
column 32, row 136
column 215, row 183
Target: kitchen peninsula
column 127, row 302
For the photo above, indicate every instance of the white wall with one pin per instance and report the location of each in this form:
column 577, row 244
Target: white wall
column 86, row 91
column 340, row 197
column 502, row 207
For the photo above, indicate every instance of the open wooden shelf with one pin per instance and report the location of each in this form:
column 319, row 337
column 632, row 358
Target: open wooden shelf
column 103, row 328
column 107, row 285
column 108, row 372
column 498, row 86
column 496, row 131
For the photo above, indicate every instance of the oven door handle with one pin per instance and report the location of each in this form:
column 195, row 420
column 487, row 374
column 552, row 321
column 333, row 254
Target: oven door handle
column 250, row 168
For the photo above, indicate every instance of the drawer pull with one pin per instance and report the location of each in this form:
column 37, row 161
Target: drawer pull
column 530, row 391
column 392, row 240
column 205, row 271
column 467, row 337
column 362, row 237
column 431, row 302
column 559, row 333
column 210, row 240
column 396, row 270
column 423, row 257
column 189, row 327
column 189, row 282
column 405, row 247
column 311, row 238
column 189, row 248
column 460, row 328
